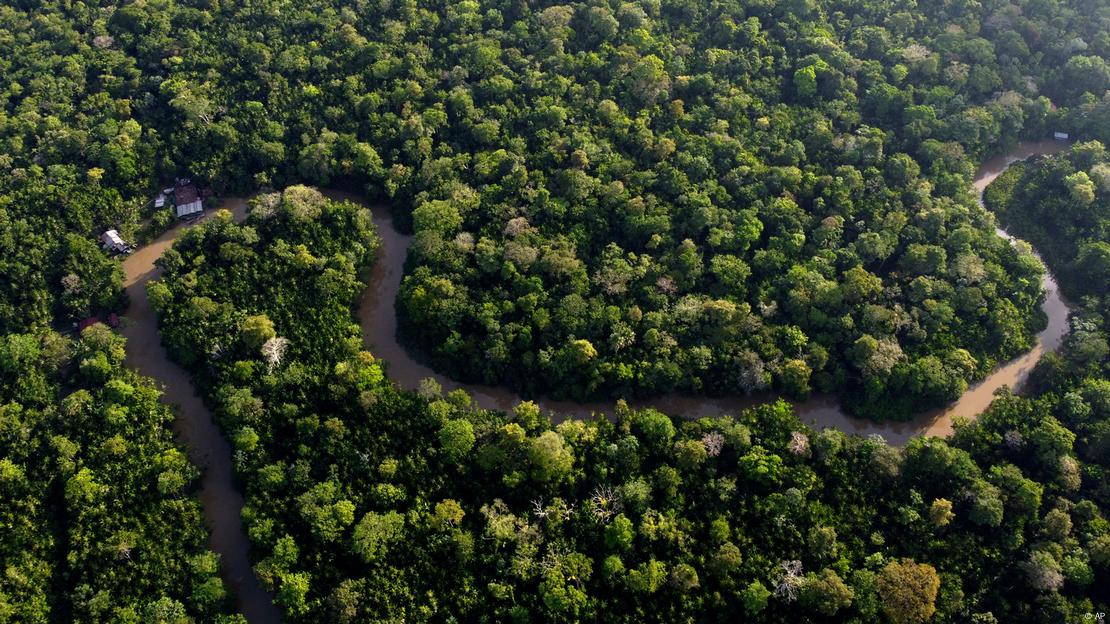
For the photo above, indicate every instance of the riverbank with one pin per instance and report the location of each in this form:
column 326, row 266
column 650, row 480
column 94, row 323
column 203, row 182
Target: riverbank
column 378, row 320
column 210, row 451
column 207, row 448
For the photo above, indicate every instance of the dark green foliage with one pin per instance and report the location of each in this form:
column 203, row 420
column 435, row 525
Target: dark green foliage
column 370, row 503
column 609, row 199
column 289, row 253
column 1061, row 205
column 95, row 496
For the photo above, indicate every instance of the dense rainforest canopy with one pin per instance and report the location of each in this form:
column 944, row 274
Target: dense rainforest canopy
column 368, row 503
column 607, row 198
column 98, row 521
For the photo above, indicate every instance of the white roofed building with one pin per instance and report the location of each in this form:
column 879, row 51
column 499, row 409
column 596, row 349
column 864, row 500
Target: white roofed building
column 186, row 199
column 112, row 241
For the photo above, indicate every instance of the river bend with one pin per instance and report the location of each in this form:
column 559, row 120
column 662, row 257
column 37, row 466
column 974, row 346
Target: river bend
column 379, row 331
column 210, row 451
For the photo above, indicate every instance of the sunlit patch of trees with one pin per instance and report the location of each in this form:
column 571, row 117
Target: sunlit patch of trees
column 97, row 500
column 368, row 502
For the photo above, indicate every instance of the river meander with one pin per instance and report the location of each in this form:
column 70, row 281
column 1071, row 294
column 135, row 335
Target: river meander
column 209, row 450
column 379, row 330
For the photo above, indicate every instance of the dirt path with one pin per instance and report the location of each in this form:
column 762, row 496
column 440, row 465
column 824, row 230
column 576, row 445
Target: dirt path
column 207, row 447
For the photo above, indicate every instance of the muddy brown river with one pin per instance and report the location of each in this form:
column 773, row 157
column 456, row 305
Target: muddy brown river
column 379, row 330
column 210, row 451
column 205, row 443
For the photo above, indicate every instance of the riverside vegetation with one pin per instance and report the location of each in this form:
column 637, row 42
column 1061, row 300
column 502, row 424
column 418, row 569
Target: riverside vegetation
column 367, row 502
column 632, row 199
column 608, row 199
column 98, row 521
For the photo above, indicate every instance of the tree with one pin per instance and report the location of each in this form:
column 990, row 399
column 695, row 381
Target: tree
column 726, row 560
column 1081, row 187
column 822, row 542
column 293, row 590
column 448, row 513
column 908, row 590
column 1057, row 525
column 647, row 578
column 439, row 216
column 273, row 352
column 654, row 426
column 165, row 610
column 755, row 597
column 375, row 534
column 1043, row 571
column 825, row 593
column 689, row 454
column 256, row 330
column 620, row 533
column 597, row 23
column 648, row 80
column 684, row 577
column 761, row 466
column 456, row 436
column 325, row 511
column 1051, row 441
column 1100, row 550
column 795, row 378
column 876, row 358
column 550, row 458
column 1094, row 260
column 986, row 505
column 732, row 273
column 805, row 81
column 940, row 512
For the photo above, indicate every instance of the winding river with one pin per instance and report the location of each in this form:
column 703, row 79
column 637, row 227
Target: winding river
column 379, row 330
column 205, row 443
column 209, row 450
